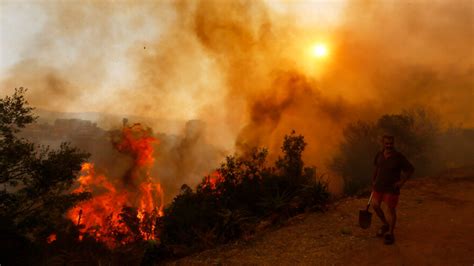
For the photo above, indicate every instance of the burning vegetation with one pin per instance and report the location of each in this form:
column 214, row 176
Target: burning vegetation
column 241, row 68
column 106, row 216
column 124, row 216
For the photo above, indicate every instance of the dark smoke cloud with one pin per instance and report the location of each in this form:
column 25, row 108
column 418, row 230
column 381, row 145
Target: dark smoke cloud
column 184, row 159
column 266, row 91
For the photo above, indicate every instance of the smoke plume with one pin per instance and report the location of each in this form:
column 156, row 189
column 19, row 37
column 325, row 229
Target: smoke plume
column 243, row 69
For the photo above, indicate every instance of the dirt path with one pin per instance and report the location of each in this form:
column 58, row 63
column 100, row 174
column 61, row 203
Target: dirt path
column 435, row 227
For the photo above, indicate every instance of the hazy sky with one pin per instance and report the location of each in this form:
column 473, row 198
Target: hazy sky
column 32, row 33
column 244, row 67
column 22, row 20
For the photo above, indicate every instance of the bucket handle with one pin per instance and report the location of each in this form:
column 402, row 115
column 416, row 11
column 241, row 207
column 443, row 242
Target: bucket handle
column 370, row 198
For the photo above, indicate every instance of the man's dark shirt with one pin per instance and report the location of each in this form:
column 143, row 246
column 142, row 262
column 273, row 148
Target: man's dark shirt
column 389, row 170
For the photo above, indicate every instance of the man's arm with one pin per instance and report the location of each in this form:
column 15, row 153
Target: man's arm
column 407, row 169
column 405, row 176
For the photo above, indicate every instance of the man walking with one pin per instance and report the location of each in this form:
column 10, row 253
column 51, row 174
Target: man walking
column 386, row 184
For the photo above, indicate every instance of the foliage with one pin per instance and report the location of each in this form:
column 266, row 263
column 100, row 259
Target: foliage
column 242, row 192
column 189, row 217
column 291, row 164
column 35, row 180
column 456, row 147
column 356, row 154
column 15, row 114
column 415, row 132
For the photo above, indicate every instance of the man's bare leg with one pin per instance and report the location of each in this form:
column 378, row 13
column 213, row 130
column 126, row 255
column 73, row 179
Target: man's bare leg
column 385, row 227
column 378, row 210
column 393, row 219
column 389, row 238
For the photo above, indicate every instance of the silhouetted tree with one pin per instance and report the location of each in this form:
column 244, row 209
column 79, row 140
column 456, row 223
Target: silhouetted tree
column 415, row 132
column 35, row 181
column 354, row 160
column 243, row 191
column 291, row 164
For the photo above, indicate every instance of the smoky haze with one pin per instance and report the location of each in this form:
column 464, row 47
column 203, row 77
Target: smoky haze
column 242, row 68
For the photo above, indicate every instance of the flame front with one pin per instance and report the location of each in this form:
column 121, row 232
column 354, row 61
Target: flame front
column 103, row 217
column 213, row 179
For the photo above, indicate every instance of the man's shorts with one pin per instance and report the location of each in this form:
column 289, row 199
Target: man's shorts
column 390, row 199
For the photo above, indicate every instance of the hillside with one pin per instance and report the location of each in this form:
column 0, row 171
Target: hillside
column 435, row 227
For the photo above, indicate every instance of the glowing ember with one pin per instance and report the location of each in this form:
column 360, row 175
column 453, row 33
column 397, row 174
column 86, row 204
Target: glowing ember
column 51, row 238
column 103, row 217
column 213, row 179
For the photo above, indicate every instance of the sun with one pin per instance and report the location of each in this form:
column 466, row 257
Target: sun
column 320, row 50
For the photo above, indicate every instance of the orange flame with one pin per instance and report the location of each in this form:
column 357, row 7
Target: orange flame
column 213, row 179
column 137, row 142
column 100, row 217
column 51, row 238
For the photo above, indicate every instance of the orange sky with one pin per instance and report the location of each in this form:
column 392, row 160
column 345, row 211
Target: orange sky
column 35, row 33
column 244, row 67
